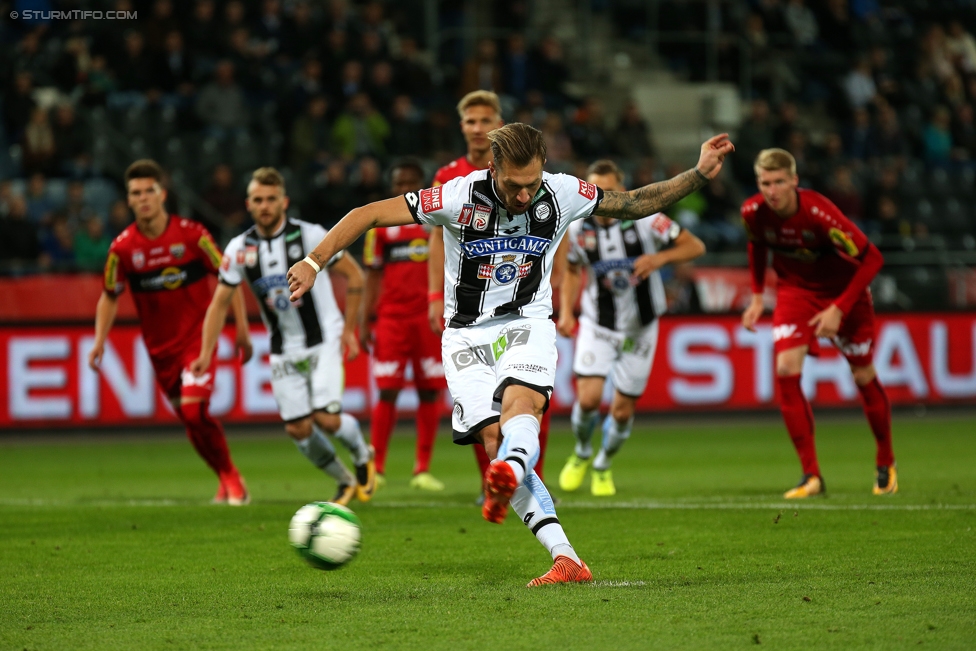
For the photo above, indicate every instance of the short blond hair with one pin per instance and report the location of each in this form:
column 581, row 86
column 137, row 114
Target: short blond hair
column 775, row 159
column 268, row 176
column 480, row 98
column 518, row 144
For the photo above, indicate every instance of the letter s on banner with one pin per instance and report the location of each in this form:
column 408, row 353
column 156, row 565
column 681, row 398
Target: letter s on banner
column 716, row 367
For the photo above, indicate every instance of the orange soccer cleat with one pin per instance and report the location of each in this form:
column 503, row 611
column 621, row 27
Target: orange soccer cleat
column 237, row 494
column 500, row 483
column 564, row 570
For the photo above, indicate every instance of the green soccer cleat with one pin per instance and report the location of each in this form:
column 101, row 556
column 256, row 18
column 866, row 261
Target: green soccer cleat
column 572, row 474
column 602, row 483
column 426, row 482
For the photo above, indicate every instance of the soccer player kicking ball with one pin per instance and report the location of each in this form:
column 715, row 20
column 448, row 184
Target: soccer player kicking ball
column 308, row 337
column 166, row 260
column 396, row 291
column 623, row 299
column 501, row 230
column 824, row 265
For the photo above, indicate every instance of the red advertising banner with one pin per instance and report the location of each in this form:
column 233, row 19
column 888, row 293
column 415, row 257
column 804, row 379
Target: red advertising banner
column 700, row 363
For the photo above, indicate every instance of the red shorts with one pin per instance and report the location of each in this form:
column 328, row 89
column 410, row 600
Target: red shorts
column 399, row 341
column 794, row 309
column 175, row 379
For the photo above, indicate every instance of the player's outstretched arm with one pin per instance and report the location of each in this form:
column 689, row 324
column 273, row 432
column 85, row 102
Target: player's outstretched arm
column 435, row 279
column 389, row 212
column 658, row 196
column 355, row 279
column 213, row 323
column 105, row 311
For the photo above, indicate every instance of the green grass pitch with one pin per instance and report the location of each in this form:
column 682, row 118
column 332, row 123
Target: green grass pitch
column 111, row 543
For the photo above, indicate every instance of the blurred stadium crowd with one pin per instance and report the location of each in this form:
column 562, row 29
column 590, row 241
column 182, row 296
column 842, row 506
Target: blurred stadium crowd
column 875, row 100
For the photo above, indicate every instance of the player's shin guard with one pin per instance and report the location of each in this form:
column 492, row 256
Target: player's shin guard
column 534, row 505
column 352, row 439
column 380, row 428
column 583, row 423
column 614, row 435
column 877, row 408
column 798, row 417
column 319, row 450
column 207, row 436
column 520, row 444
column 428, row 417
column 543, row 443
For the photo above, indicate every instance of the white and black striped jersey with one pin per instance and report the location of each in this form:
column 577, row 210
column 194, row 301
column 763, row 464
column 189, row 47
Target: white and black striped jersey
column 497, row 264
column 611, row 298
column 264, row 263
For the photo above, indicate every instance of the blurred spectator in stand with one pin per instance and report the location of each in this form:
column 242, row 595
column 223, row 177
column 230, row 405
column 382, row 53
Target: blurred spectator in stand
column 933, row 52
column 71, row 67
column 270, row 27
column 786, row 123
column 308, row 83
column 351, row 81
column 99, row 84
column 588, row 132
column 646, row 173
column 885, row 186
column 682, row 291
column 845, row 195
column 135, row 71
column 228, row 202
column 755, row 134
column 632, row 137
column 837, row 27
column 174, row 67
column 380, row 87
column 801, row 22
column 551, row 72
column 71, row 142
column 885, row 74
column 119, row 218
column 372, row 19
column 91, row 245
column 31, row 57
column 18, row 106
column 372, row 50
column 20, row 246
column 201, row 33
column 360, row 130
column 302, row 32
column 961, row 47
column 38, row 146
column 369, row 185
column 937, row 137
column 246, row 56
column 559, row 148
column 953, row 91
column 922, row 90
column 40, row 205
column 311, row 133
column 891, row 223
column 964, row 133
column 233, row 20
column 483, row 71
column 771, row 67
column 832, row 154
column 337, row 54
column 859, row 84
column 887, row 140
column 160, row 25
column 58, row 246
column 331, row 198
column 721, row 224
column 441, row 132
column 517, row 74
column 411, row 75
column 807, row 165
column 76, row 209
column 6, row 197
column 220, row 104
column 406, row 129
column 857, row 135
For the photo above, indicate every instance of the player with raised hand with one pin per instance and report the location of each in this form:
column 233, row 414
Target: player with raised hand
column 623, row 299
column 501, row 230
column 166, row 260
column 396, row 292
column 309, row 337
column 824, row 265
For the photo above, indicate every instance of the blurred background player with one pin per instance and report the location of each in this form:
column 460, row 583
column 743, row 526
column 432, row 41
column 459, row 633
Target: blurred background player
column 824, row 265
column 396, row 293
column 480, row 112
column 166, row 260
column 308, row 338
column 623, row 299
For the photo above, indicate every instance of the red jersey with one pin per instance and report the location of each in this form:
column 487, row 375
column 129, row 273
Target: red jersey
column 454, row 169
column 165, row 277
column 401, row 251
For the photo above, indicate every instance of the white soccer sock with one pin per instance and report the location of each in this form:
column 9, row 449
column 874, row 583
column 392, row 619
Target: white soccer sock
column 534, row 505
column 351, row 437
column 614, row 435
column 319, row 450
column 583, row 423
column 520, row 445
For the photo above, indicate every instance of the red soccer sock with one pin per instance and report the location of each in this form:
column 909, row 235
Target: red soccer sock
column 207, row 436
column 380, row 428
column 799, row 422
column 543, row 441
column 878, row 410
column 482, row 458
column 428, row 417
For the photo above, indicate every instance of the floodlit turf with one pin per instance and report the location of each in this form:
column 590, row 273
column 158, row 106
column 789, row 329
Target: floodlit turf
column 113, row 545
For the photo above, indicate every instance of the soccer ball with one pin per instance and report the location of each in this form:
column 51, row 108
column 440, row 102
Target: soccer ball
column 325, row 534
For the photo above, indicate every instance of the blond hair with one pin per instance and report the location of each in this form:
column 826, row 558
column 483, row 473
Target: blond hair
column 480, row 98
column 775, row 159
column 268, row 176
column 518, row 144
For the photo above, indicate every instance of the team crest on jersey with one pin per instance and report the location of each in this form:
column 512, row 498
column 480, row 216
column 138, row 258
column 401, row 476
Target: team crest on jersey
column 250, row 255
column 506, row 272
column 587, row 190
column 482, row 216
column 542, row 212
column 295, row 251
column 467, row 211
column 177, row 250
column 240, row 257
column 138, row 259
column 630, row 237
column 589, row 241
column 843, row 241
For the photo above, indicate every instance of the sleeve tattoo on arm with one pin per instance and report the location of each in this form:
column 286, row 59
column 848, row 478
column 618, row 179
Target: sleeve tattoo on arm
column 650, row 198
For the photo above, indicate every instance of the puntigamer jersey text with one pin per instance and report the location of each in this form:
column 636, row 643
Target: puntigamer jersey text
column 264, row 263
column 498, row 264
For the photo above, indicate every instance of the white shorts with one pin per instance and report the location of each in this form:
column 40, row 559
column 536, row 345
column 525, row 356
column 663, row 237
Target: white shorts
column 629, row 356
column 480, row 361
column 308, row 380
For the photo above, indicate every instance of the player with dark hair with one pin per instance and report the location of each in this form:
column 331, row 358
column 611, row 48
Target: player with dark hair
column 396, row 294
column 166, row 260
column 824, row 265
column 502, row 227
